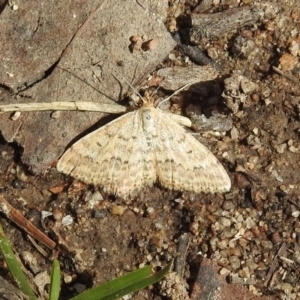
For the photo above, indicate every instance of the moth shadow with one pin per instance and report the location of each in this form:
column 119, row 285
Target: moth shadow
column 100, row 123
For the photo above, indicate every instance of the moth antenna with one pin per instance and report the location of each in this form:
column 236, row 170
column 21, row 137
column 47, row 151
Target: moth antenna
column 90, row 85
column 175, row 93
column 131, row 86
column 155, row 91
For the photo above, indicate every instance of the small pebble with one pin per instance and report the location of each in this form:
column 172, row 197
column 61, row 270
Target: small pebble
column 68, row 278
column 293, row 149
column 55, row 114
column 228, row 205
column 296, row 257
column 255, row 97
column 294, row 48
column 118, row 210
column 288, row 62
column 150, row 210
column 250, row 223
column 15, row 116
column 276, row 238
column 222, row 244
column 245, row 272
column 234, row 133
column 267, row 101
column 18, row 184
column 235, row 262
column 296, row 213
column 267, row 245
column 281, row 148
column 224, row 271
column 225, row 222
column 79, row 288
column 57, row 214
column 67, row 220
column 286, row 287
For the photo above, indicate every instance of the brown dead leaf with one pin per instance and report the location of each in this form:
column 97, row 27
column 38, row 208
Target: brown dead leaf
column 58, row 189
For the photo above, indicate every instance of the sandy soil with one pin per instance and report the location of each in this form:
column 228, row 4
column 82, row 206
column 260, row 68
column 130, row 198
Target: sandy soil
column 250, row 234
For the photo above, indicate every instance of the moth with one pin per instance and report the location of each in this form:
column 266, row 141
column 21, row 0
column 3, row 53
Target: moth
column 140, row 148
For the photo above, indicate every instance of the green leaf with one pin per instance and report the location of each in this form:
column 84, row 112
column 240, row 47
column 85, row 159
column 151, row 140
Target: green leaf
column 14, row 266
column 55, row 281
column 124, row 285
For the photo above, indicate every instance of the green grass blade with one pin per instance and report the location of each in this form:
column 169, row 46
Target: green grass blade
column 124, row 285
column 14, row 266
column 55, row 281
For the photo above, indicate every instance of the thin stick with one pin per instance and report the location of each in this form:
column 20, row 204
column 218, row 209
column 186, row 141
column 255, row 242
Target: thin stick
column 62, row 105
column 12, row 214
column 37, row 246
column 180, row 260
column 290, row 77
column 81, row 106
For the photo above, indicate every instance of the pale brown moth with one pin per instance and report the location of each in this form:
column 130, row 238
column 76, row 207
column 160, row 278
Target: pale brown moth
column 140, row 148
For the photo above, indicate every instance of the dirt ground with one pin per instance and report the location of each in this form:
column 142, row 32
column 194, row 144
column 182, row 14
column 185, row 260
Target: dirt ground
column 240, row 245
